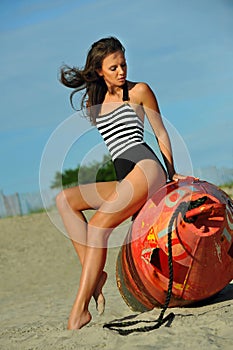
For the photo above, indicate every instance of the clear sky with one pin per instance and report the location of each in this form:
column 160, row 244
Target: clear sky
column 182, row 49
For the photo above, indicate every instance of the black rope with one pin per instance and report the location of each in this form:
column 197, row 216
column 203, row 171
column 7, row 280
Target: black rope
column 192, row 205
column 116, row 326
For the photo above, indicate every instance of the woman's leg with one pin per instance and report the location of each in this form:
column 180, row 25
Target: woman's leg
column 126, row 199
column 70, row 204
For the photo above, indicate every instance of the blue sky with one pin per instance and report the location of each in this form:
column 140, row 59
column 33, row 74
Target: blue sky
column 183, row 49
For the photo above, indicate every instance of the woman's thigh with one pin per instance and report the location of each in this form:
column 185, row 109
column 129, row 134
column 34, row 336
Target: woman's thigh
column 130, row 194
column 88, row 196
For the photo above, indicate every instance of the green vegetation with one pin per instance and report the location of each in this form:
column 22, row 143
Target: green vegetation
column 94, row 172
column 228, row 184
column 36, row 211
column 228, row 188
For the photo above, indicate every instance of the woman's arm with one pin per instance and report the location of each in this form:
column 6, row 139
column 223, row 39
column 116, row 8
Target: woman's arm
column 151, row 108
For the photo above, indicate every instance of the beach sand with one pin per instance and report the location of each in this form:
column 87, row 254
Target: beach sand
column 39, row 278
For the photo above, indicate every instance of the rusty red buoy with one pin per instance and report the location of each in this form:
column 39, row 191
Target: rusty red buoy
column 202, row 246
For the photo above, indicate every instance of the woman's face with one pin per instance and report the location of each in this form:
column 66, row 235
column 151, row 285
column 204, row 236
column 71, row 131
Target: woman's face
column 114, row 69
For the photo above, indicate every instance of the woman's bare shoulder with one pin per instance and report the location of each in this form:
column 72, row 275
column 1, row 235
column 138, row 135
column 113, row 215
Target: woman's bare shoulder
column 140, row 91
column 138, row 86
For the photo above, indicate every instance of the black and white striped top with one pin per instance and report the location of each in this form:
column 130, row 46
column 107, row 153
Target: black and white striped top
column 121, row 129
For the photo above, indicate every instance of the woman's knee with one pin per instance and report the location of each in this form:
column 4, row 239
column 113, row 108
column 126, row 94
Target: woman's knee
column 99, row 230
column 104, row 222
column 68, row 198
column 61, row 201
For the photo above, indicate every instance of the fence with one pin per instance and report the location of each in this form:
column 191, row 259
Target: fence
column 25, row 203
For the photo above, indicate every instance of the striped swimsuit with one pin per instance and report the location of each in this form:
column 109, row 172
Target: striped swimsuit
column 122, row 131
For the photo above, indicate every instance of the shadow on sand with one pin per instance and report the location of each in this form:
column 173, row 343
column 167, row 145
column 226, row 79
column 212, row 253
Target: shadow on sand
column 225, row 294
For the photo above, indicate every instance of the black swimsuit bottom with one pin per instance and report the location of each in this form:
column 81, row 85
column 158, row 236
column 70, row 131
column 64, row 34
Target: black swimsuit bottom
column 125, row 163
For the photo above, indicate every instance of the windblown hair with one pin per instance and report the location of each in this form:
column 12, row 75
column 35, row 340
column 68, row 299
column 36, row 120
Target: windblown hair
column 88, row 78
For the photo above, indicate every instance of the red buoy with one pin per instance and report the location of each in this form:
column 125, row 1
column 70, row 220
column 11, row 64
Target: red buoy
column 201, row 216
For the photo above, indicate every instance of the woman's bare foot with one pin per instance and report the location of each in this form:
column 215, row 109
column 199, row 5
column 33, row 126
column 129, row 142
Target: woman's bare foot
column 78, row 321
column 98, row 295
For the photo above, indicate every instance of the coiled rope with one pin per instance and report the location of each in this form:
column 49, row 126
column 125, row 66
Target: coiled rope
column 120, row 326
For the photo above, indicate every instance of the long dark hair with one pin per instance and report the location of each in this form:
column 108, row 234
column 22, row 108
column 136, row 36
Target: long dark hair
column 88, row 78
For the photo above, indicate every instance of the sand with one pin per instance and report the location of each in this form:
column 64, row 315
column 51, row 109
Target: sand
column 39, row 278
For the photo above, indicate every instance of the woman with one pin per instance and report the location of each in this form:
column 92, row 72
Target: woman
column 117, row 107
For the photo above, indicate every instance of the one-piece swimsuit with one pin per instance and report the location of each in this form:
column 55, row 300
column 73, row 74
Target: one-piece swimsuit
column 123, row 131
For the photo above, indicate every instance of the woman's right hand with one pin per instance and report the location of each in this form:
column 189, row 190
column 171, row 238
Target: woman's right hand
column 177, row 177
